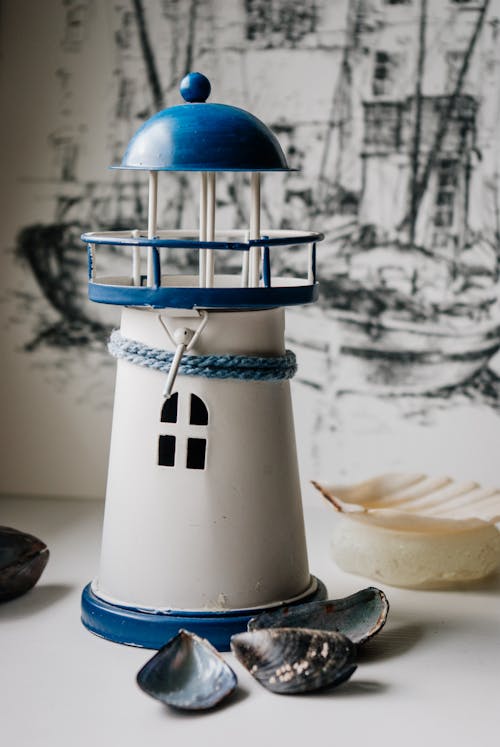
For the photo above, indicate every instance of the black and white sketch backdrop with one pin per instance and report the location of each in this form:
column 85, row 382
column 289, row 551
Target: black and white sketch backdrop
column 389, row 109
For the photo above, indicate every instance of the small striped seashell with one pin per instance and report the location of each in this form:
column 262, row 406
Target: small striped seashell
column 416, row 531
column 295, row 660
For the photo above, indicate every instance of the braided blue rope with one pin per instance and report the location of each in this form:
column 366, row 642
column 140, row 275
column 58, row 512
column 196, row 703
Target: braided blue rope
column 244, row 367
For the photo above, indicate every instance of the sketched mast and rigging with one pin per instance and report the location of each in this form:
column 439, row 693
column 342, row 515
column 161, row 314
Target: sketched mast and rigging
column 413, row 287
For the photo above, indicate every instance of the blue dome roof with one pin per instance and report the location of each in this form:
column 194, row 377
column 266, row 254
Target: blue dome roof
column 203, row 137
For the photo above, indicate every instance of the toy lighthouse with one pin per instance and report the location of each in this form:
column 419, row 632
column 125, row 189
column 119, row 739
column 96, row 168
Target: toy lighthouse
column 203, row 524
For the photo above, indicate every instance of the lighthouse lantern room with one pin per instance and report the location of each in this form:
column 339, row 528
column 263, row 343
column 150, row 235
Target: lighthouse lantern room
column 203, row 524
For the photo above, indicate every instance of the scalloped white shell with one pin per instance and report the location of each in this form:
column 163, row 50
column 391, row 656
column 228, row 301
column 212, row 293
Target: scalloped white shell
column 416, row 531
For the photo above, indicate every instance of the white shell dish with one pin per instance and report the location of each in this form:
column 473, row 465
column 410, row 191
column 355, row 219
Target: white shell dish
column 416, row 531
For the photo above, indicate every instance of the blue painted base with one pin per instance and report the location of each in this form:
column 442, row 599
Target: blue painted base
column 135, row 627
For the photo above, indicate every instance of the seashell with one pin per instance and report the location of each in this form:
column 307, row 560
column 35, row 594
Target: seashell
column 359, row 616
column 187, row 673
column 416, row 531
column 295, row 660
column 22, row 560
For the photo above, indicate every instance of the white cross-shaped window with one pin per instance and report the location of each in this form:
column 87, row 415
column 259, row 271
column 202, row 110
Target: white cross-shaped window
column 189, row 451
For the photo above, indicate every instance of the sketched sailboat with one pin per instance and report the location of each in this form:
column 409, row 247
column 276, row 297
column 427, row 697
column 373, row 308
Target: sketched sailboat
column 408, row 187
column 413, row 287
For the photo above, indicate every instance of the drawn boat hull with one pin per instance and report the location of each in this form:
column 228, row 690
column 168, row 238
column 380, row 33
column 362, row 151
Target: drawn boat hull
column 383, row 356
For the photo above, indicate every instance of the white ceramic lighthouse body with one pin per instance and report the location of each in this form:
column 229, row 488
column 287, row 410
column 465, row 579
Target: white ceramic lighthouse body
column 203, row 523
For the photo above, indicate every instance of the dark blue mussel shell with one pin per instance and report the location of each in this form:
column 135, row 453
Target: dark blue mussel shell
column 295, row 660
column 22, row 560
column 187, row 673
column 359, row 616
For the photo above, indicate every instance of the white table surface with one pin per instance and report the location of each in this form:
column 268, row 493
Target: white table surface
column 432, row 677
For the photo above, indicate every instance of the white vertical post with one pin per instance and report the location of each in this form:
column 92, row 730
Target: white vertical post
column 255, row 229
column 136, row 259
column 136, row 265
column 209, row 281
column 245, row 264
column 152, row 216
column 203, row 229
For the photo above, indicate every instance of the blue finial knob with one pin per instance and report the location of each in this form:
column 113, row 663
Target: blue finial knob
column 195, row 88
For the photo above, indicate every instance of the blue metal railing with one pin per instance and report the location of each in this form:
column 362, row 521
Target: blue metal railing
column 119, row 290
